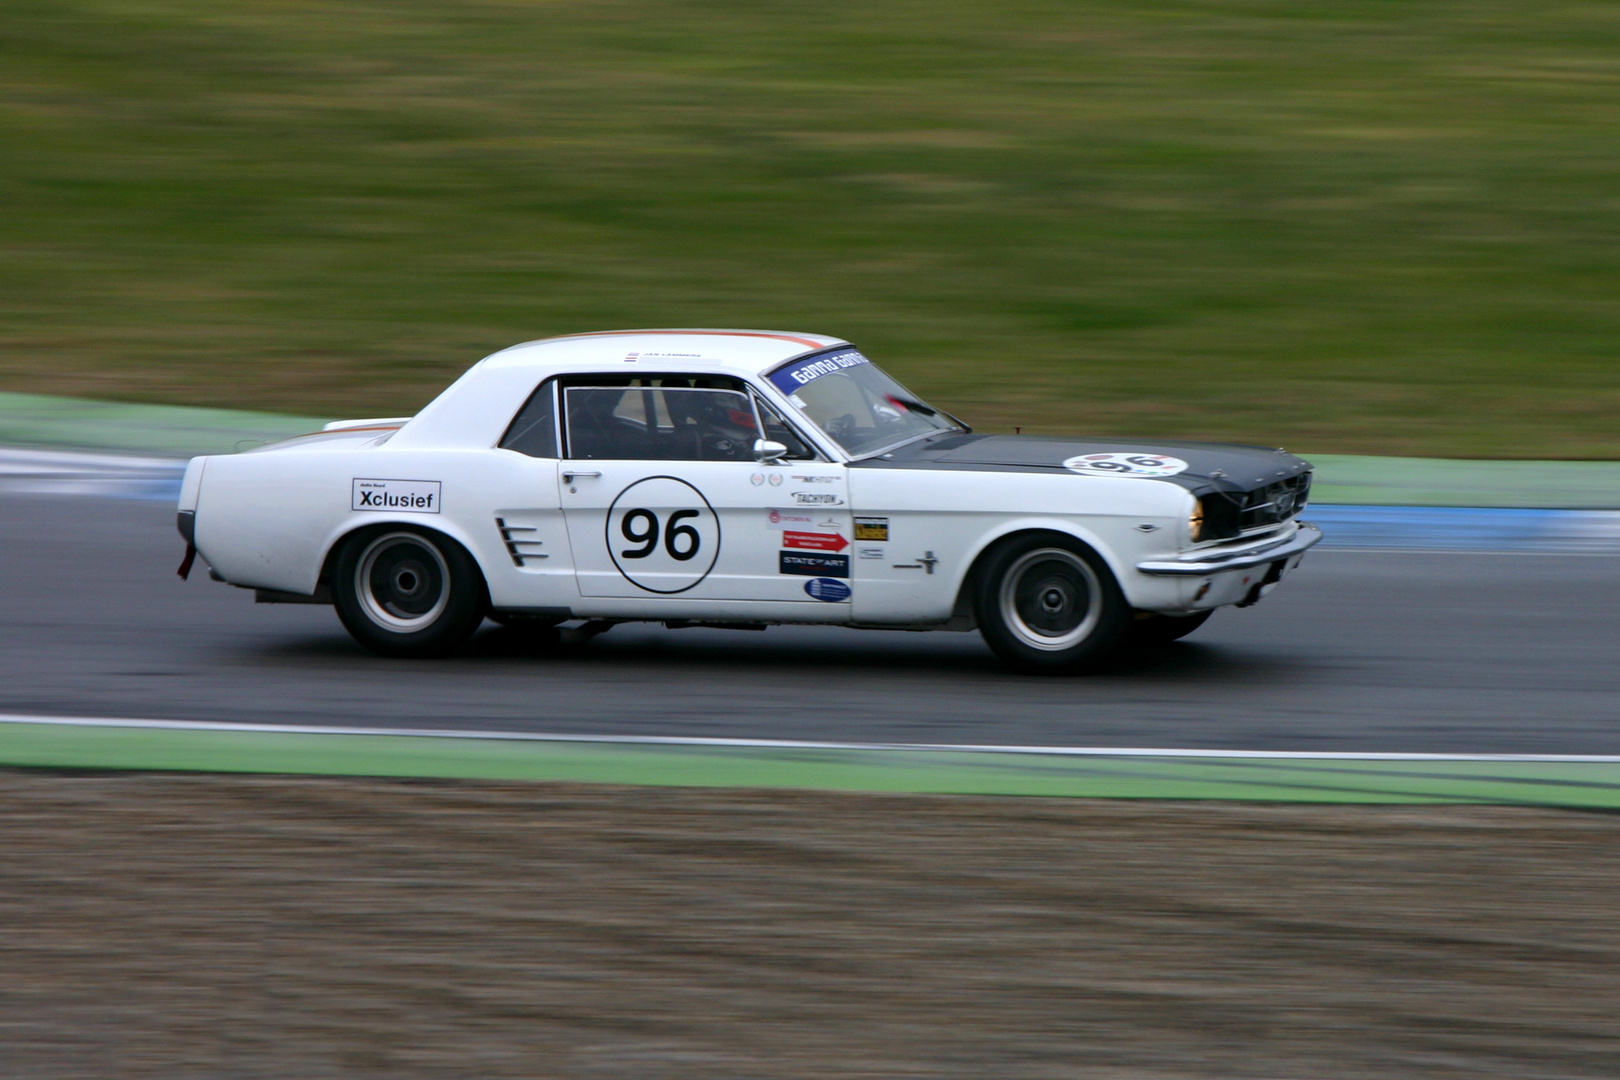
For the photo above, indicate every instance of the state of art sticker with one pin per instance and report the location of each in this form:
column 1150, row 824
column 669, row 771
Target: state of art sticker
column 1137, row 464
column 810, row 564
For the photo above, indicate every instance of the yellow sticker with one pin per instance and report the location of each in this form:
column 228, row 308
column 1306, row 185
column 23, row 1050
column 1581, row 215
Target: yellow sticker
column 871, row 528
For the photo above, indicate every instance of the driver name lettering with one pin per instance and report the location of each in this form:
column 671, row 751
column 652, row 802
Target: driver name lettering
column 412, row 496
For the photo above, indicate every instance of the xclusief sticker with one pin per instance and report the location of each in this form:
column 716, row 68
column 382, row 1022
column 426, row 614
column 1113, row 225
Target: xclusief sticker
column 663, row 535
column 412, row 496
column 806, row 564
column 871, row 528
column 1142, row 464
column 827, row 589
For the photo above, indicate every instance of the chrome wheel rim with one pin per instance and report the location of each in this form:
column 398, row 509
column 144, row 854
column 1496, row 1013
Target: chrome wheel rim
column 402, row 581
column 1051, row 599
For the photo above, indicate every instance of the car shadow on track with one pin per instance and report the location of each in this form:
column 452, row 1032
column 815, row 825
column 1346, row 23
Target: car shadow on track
column 714, row 651
column 711, row 653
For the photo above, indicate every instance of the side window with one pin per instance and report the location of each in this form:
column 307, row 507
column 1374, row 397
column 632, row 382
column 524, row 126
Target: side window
column 659, row 423
column 534, row 431
column 777, row 430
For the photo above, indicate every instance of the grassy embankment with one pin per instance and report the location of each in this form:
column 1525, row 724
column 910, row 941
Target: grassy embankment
column 1356, row 227
column 167, row 926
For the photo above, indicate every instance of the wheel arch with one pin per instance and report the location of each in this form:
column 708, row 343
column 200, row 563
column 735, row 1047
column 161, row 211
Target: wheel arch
column 341, row 536
column 962, row 607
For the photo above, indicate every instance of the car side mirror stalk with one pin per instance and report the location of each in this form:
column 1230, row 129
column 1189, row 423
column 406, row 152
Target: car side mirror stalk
column 769, row 452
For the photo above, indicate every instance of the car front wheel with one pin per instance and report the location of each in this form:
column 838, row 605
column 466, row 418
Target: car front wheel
column 1048, row 604
column 405, row 592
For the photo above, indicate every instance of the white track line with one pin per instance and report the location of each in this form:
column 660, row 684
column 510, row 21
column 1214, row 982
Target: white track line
column 781, row 744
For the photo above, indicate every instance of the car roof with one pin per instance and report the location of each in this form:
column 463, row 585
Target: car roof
column 750, row 351
column 476, row 408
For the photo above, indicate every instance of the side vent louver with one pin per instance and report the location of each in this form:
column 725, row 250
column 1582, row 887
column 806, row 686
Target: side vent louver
column 515, row 543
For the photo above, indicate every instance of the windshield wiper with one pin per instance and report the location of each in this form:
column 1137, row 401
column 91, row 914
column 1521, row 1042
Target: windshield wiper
column 895, row 446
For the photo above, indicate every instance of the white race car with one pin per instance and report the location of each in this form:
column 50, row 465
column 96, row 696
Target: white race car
column 740, row 478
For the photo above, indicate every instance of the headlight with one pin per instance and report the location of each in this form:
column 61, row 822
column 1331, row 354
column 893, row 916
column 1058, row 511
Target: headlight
column 1195, row 522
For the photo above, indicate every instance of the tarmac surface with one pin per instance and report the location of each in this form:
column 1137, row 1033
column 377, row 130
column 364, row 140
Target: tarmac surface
column 1360, row 651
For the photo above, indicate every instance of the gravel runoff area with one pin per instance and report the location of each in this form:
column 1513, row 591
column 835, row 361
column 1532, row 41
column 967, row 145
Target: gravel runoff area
column 204, row 926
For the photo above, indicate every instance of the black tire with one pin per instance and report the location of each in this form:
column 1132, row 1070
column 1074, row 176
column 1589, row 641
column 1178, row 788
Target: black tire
column 1047, row 604
column 407, row 592
column 1163, row 629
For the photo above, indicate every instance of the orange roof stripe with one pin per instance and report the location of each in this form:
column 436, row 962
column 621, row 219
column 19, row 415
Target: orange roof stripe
column 806, row 342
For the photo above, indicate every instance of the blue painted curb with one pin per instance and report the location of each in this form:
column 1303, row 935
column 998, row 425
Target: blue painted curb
column 1457, row 528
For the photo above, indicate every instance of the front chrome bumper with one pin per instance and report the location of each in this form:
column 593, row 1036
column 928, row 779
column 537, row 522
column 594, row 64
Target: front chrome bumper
column 1206, row 562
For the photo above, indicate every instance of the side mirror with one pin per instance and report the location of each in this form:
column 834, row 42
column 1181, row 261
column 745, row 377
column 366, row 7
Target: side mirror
column 769, row 452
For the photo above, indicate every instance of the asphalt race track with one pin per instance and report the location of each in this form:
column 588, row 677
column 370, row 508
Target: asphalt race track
column 1362, row 651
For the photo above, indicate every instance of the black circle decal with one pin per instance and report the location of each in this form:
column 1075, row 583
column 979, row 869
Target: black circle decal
column 663, row 535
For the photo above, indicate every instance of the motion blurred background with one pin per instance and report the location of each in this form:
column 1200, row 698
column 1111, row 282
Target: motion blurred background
column 1359, row 226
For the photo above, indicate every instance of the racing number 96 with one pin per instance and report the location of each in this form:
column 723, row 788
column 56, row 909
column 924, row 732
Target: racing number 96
column 640, row 526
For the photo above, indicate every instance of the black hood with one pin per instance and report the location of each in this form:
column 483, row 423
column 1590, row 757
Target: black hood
column 1252, row 478
column 1242, row 467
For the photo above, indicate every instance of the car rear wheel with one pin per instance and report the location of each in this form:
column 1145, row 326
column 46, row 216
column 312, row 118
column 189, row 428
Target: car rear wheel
column 1163, row 629
column 407, row 592
column 1048, row 604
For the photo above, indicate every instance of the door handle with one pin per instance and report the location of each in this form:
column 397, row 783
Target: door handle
column 569, row 474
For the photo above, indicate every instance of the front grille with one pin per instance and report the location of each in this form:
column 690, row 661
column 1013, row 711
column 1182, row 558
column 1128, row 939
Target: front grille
column 1229, row 514
column 1274, row 503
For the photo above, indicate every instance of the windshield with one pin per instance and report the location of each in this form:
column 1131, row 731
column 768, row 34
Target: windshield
column 856, row 403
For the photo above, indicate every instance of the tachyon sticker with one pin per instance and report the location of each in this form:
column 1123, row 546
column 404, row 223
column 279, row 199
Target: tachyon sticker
column 828, row 589
column 1126, row 464
column 412, row 496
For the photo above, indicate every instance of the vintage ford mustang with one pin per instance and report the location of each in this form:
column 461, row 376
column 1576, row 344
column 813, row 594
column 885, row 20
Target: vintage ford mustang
column 740, row 478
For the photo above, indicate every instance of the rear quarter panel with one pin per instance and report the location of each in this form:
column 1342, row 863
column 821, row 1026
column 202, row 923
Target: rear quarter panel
column 267, row 520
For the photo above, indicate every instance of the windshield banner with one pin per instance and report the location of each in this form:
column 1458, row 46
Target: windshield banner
column 802, row 372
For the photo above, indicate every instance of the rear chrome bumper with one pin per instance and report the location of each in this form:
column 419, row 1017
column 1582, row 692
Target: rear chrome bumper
column 1206, row 562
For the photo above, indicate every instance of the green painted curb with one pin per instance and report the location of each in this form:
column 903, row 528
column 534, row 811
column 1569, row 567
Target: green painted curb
column 181, row 431
column 1590, row 785
column 1391, row 481
column 163, row 430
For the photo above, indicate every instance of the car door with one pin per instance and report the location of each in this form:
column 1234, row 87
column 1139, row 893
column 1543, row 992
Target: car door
column 528, row 565
column 663, row 498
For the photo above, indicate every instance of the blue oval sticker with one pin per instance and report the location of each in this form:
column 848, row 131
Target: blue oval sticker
column 829, row 589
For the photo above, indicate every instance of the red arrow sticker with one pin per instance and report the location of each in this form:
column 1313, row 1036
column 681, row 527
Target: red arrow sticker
column 814, row 541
